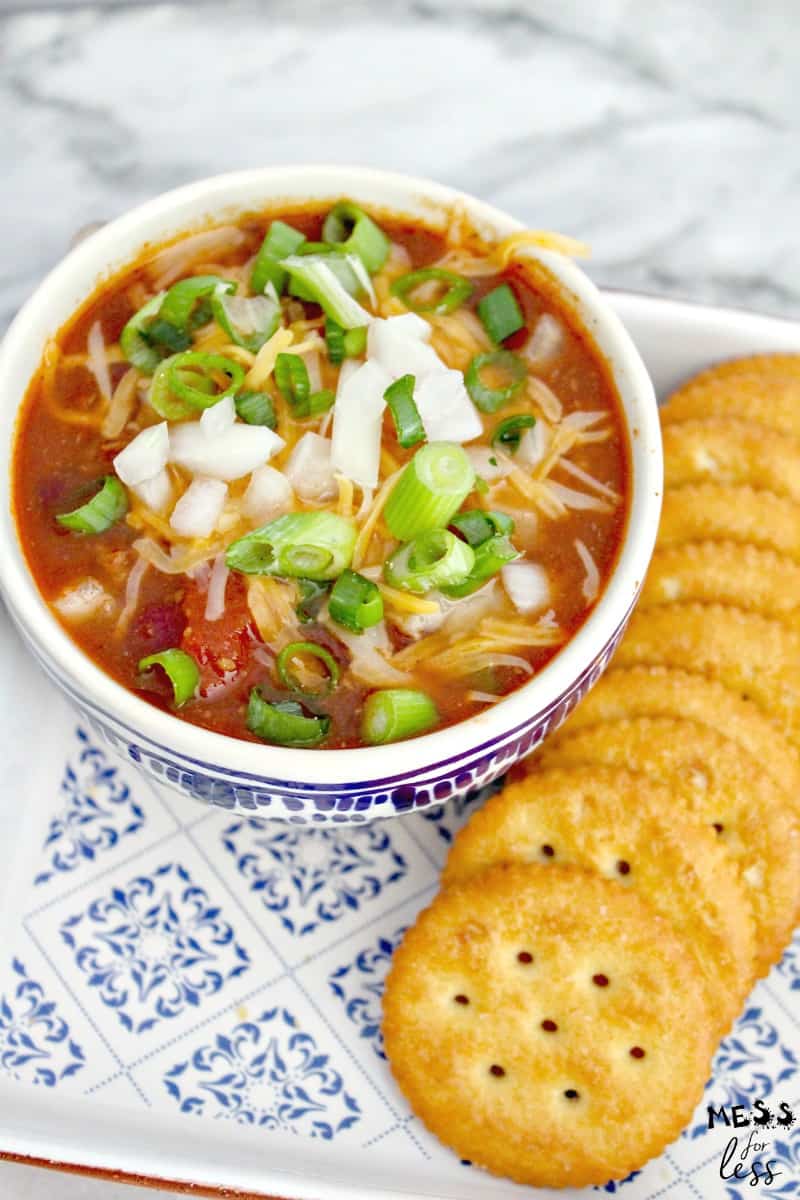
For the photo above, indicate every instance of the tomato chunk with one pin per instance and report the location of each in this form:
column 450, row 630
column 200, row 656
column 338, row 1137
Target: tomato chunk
column 221, row 648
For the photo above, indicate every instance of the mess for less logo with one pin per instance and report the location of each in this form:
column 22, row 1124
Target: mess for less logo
column 746, row 1157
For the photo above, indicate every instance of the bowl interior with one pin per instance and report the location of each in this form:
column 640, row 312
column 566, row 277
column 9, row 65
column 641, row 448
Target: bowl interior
column 225, row 198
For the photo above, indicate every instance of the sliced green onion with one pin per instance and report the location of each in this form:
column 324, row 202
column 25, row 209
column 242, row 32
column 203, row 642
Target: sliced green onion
column 430, row 491
column 500, row 313
column 349, row 227
column 355, row 602
column 180, row 305
column 307, row 545
column 308, row 650
column 181, row 669
column 132, row 340
column 503, row 362
column 312, row 597
column 355, row 342
column 256, row 408
column 334, row 339
column 314, row 405
column 407, row 422
column 315, row 248
column 248, row 321
column 397, row 713
column 166, row 337
column 281, row 240
column 320, row 279
column 101, row 512
column 284, row 722
column 475, row 525
column 508, row 433
column 160, row 396
column 291, row 376
column 481, row 486
column 342, row 265
column 457, row 292
column 490, row 556
column 435, row 559
column 190, row 377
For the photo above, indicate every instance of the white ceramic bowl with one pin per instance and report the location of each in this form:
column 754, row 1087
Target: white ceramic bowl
column 306, row 786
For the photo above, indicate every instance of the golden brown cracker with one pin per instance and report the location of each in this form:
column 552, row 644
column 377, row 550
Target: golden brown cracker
column 728, row 791
column 759, row 581
column 724, row 511
column 666, row 692
column 757, row 658
column 548, row 1025
column 724, row 450
column 627, row 827
column 763, row 388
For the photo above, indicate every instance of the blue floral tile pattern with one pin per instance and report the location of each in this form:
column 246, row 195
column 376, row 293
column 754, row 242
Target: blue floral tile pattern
column 266, row 1073
column 310, row 877
column 753, row 1062
column 97, row 811
column 359, row 986
column 789, row 966
column 154, row 948
column 35, row 1041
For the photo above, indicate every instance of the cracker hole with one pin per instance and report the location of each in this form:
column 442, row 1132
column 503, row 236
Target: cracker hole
column 718, row 826
column 496, row 1070
column 600, row 980
column 636, row 1052
column 548, row 851
column 549, row 1026
column 461, row 998
column 572, row 1094
column 525, row 957
column 623, row 867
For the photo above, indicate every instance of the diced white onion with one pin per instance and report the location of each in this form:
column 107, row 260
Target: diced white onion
column 310, row 470
column 97, row 361
column 481, row 458
column 527, row 586
column 311, row 359
column 571, row 498
column 357, row 425
column 534, row 444
column 198, row 510
column 399, row 346
column 155, row 493
column 370, row 651
column 144, row 456
column 546, row 342
column 132, row 588
column 82, row 601
column 268, row 495
column 236, row 452
column 591, row 583
column 446, row 410
column 219, row 417
column 218, row 581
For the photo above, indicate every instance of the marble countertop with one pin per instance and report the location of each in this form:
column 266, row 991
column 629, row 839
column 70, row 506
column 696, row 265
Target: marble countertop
column 665, row 134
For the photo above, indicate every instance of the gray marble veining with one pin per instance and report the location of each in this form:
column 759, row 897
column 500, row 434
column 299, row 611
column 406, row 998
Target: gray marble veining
column 663, row 133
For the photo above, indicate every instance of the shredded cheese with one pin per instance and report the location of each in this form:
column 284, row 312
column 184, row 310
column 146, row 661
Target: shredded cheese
column 591, row 583
column 559, row 243
column 406, row 602
column 371, row 520
column 264, row 363
column 344, row 506
column 121, row 407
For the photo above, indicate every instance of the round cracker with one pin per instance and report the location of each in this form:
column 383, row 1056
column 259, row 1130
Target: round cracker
column 728, row 791
column 759, row 581
column 724, row 450
column 755, row 657
column 763, row 388
column 738, row 514
column 524, row 1120
column 626, row 827
column 666, row 692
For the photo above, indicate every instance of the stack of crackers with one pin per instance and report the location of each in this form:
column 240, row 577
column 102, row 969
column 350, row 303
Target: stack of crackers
column 553, row 1014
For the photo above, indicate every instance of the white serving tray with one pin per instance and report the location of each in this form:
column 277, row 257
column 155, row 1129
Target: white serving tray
column 187, row 999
